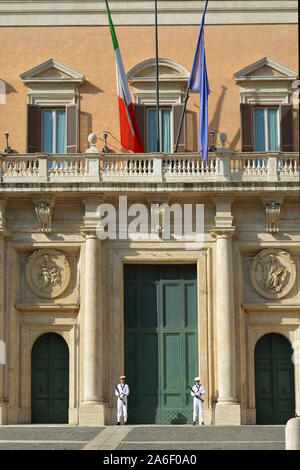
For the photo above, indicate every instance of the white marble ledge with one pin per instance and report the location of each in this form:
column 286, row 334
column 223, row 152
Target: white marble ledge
column 36, row 308
column 271, row 308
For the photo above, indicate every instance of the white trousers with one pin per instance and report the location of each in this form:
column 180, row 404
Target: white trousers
column 122, row 408
column 198, row 408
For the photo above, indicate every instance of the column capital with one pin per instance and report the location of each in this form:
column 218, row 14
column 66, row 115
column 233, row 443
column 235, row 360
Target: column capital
column 92, row 200
column 5, row 233
column 223, row 232
column 223, row 198
column 88, row 232
column 90, row 218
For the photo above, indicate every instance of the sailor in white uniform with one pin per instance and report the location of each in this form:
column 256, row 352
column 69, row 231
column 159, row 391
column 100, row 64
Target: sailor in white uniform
column 197, row 392
column 122, row 392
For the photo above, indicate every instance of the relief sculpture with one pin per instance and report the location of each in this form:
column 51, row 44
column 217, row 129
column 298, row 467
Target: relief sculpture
column 273, row 273
column 48, row 273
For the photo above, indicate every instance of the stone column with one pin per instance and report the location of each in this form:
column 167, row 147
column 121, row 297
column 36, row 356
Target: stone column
column 91, row 319
column 227, row 407
column 225, row 318
column 92, row 408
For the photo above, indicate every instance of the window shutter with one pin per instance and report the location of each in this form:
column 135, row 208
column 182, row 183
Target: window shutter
column 140, row 114
column 286, row 127
column 247, row 131
column 177, row 111
column 72, row 128
column 34, row 125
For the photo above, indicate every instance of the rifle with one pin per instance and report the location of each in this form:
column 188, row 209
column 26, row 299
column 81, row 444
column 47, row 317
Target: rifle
column 187, row 386
column 120, row 396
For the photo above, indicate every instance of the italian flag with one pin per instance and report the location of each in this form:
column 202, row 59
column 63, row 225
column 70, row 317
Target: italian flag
column 129, row 132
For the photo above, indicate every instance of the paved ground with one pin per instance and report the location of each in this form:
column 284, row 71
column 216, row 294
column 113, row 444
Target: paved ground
column 204, row 438
column 150, row 437
column 50, row 437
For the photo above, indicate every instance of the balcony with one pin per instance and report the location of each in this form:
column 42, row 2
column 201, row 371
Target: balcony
column 104, row 170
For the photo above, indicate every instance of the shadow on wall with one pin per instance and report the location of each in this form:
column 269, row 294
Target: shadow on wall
column 9, row 89
column 296, row 129
column 86, row 128
column 215, row 122
column 191, row 131
column 89, row 88
column 236, row 139
column 214, row 400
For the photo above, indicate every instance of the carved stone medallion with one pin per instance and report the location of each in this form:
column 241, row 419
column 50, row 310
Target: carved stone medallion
column 273, row 273
column 47, row 273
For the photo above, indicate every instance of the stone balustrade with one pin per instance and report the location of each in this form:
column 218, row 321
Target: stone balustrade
column 135, row 168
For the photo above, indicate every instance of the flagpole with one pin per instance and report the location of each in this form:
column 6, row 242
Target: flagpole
column 187, row 94
column 157, row 82
column 183, row 111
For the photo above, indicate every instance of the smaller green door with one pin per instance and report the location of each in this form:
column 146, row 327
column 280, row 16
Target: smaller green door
column 50, row 380
column 274, row 380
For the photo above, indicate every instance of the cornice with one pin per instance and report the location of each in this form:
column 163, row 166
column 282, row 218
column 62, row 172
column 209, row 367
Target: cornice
column 137, row 12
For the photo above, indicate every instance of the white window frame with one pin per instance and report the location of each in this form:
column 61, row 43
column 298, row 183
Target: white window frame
column 266, row 108
column 54, row 110
column 161, row 108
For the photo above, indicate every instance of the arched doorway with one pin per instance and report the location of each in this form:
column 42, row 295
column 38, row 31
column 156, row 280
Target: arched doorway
column 274, row 380
column 50, row 380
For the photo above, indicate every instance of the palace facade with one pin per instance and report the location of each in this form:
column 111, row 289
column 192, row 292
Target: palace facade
column 79, row 308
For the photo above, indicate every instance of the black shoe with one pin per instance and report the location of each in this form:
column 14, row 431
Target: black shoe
column 125, row 423
column 194, row 423
column 118, row 423
column 203, row 423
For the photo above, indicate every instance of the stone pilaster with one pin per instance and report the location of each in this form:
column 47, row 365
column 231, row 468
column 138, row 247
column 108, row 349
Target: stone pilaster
column 92, row 408
column 3, row 234
column 227, row 407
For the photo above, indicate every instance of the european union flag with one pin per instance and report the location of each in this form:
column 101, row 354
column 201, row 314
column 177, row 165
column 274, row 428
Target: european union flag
column 199, row 82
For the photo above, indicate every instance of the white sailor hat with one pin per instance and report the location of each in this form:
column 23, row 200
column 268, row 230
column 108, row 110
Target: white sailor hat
column 122, row 377
column 197, row 379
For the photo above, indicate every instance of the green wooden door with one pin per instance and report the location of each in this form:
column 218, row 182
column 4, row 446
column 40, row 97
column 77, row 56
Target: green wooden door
column 50, row 380
column 161, row 353
column 274, row 380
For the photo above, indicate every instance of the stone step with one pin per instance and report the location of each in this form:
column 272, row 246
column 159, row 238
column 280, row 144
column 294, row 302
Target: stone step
column 207, row 433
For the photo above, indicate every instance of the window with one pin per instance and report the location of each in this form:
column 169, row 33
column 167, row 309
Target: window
column 266, row 106
column 165, row 130
column 54, row 130
column 53, row 109
column 173, row 81
column 266, row 130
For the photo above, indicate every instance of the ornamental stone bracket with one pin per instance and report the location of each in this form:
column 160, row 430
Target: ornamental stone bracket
column 272, row 206
column 273, row 273
column 272, row 215
column 44, row 210
column 3, row 230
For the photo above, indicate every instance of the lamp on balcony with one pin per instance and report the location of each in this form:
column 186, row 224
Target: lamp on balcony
column 212, row 148
column 105, row 148
column 7, row 150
